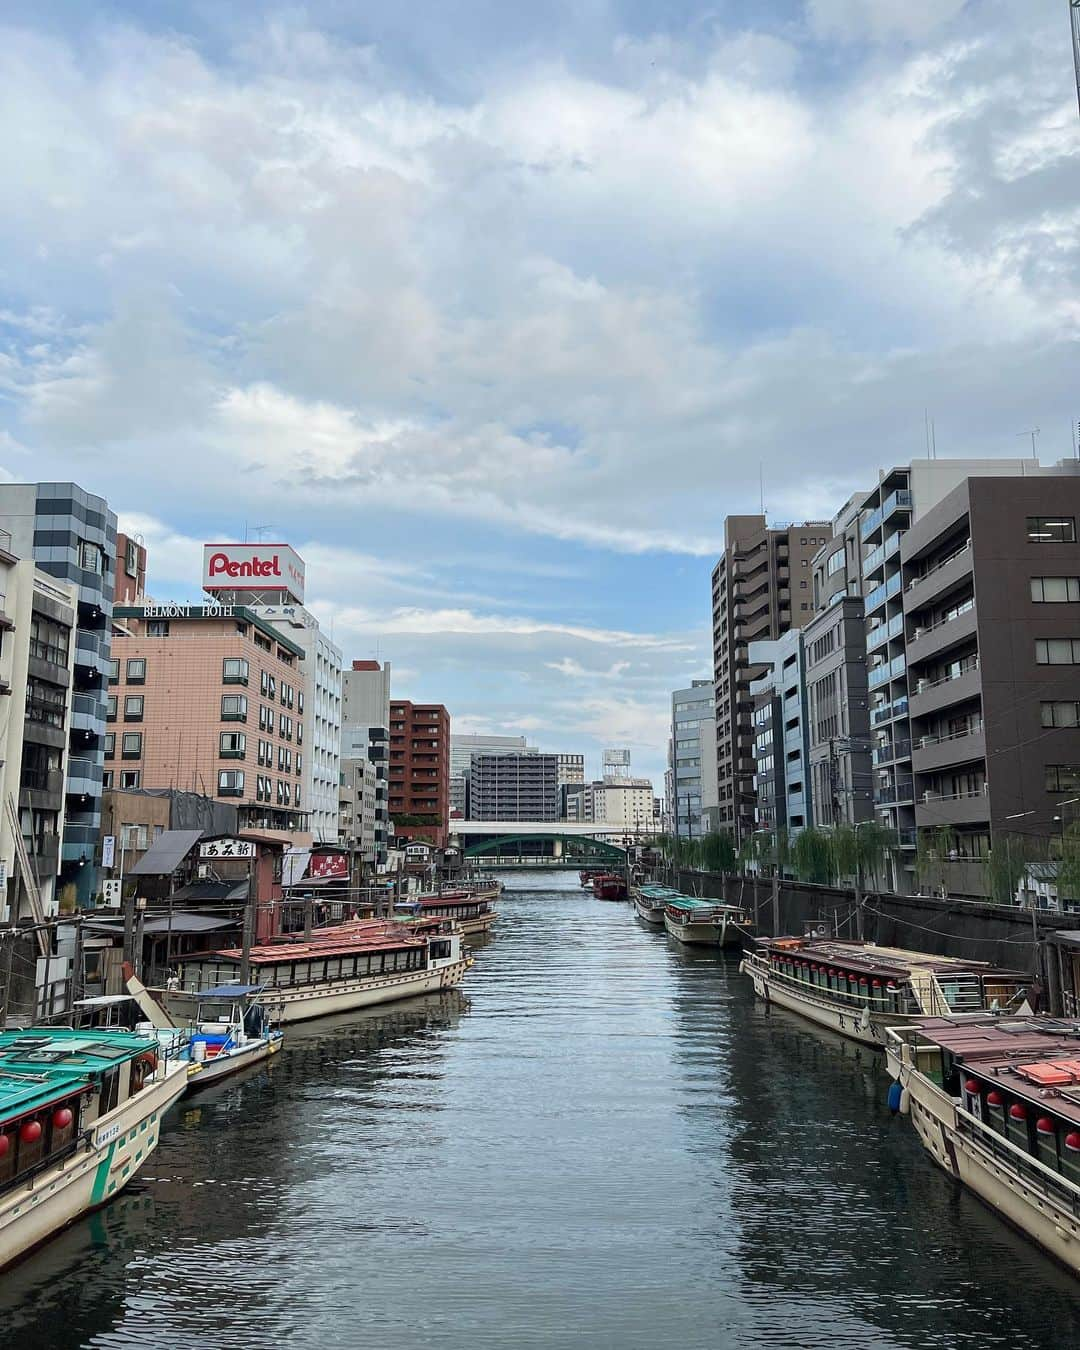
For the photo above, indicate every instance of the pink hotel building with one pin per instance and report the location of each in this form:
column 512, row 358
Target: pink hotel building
column 210, row 699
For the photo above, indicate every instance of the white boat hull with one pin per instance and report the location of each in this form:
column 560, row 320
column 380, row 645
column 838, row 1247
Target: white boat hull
column 704, row 934
column 201, row 1074
column 649, row 914
column 323, row 1000
column 860, row 1024
column 1012, row 1190
column 121, row 1142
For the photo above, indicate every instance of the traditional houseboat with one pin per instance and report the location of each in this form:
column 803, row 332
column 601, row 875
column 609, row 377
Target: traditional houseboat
column 609, row 886
column 705, row 923
column 861, row 990
column 354, row 965
column 650, row 902
column 80, row 1113
column 996, row 1103
column 472, row 908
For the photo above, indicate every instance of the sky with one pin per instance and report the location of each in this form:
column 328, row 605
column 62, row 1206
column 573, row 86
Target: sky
column 494, row 312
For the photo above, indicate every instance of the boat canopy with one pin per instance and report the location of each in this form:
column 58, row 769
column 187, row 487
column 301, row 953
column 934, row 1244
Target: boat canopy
column 38, row 1065
column 233, row 991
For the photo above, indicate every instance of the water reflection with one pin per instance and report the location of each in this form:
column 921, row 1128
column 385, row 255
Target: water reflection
column 603, row 1143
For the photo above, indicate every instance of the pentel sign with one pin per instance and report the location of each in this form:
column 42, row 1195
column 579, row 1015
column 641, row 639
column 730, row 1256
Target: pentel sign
column 253, row 567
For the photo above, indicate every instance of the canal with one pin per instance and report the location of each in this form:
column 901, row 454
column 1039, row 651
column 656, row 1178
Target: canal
column 603, row 1142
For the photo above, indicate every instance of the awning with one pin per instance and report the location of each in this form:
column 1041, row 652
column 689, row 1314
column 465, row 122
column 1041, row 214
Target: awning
column 166, row 853
column 231, row 991
column 1067, row 937
column 180, row 922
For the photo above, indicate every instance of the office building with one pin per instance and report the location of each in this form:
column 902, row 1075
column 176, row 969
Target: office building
column 690, row 785
column 761, row 588
column 781, row 735
column 210, row 699
column 514, row 787
column 357, row 805
column 621, row 800
column 990, row 588
column 71, row 536
column 269, row 581
column 420, row 770
column 462, row 749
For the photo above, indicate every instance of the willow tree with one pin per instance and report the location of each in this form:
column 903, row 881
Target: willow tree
column 718, row 852
column 1006, row 864
column 932, row 850
column 1068, row 868
column 811, row 856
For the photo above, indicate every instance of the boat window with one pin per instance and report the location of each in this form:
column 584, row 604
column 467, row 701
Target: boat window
column 1018, row 1125
column 301, row 972
column 1047, row 1142
column 333, row 970
column 317, row 971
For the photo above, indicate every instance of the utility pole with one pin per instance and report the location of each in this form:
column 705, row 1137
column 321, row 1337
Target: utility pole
column 249, row 924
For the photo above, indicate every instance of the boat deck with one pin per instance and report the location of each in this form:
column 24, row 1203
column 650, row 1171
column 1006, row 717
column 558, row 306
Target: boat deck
column 866, row 956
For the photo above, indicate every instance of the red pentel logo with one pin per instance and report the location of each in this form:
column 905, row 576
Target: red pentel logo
column 222, row 565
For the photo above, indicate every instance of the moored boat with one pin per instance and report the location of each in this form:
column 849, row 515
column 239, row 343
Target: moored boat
column 231, row 1032
column 996, row 1104
column 586, row 875
column 354, row 965
column 860, row 989
column 650, row 902
column 705, row 923
column 80, row 1114
column 472, row 909
column 609, row 886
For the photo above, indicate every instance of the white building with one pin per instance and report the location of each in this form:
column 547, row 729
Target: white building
column 623, row 801
column 365, row 715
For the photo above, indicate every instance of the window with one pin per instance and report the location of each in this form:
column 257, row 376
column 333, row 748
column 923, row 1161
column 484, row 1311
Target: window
column 131, row 745
column 1051, row 529
column 234, row 707
column 110, row 708
column 107, row 779
column 136, row 670
column 133, row 708
column 234, row 670
column 114, row 672
column 157, row 628
column 134, row 836
column 299, row 762
column 130, row 778
column 1061, row 713
column 264, row 684
column 835, row 562
column 1063, row 778
column 1055, row 590
column 1057, row 651
column 232, row 745
column 231, row 783
column 272, row 686
column 90, row 558
column 110, row 743
column 300, row 701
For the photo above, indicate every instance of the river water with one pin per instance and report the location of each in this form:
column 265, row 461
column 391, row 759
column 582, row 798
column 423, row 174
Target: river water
column 602, row 1142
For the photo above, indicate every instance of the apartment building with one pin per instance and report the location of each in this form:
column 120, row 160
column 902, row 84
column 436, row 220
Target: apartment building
column 210, row 699
column 514, row 787
column 621, row 800
column 990, row 586
column 690, row 785
column 365, row 719
column 71, row 537
column 781, row 735
column 761, row 588
column 420, row 770
column 357, row 804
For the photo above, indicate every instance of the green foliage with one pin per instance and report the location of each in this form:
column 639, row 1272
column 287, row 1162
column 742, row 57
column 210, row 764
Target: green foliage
column 811, row 856
column 1006, row 864
column 844, row 853
column 718, row 852
column 1068, row 874
column 932, row 851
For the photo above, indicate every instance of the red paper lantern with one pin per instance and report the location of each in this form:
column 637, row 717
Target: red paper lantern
column 877, row 984
column 891, row 987
column 971, row 1086
column 62, row 1118
column 1072, row 1141
column 30, row 1132
column 1044, row 1125
column 995, row 1098
column 1017, row 1111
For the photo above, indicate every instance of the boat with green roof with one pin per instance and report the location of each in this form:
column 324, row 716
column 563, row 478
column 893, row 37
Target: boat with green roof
column 650, row 902
column 705, row 923
column 80, row 1113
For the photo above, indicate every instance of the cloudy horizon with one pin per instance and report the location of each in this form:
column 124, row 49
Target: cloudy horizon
column 494, row 314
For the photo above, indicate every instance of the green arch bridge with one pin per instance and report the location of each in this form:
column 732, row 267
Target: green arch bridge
column 555, row 850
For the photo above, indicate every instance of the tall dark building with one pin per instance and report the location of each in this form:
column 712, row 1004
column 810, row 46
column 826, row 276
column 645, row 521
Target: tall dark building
column 514, row 787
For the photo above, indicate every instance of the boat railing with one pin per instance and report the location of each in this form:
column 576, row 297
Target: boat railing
column 978, row 1131
column 883, row 1001
column 27, row 1178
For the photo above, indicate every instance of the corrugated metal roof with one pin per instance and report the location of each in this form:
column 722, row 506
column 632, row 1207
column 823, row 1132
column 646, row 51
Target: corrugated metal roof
column 166, row 853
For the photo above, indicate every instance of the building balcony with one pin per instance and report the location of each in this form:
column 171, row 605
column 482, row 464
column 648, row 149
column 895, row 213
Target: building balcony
column 926, row 697
column 880, row 594
column 87, row 713
column 877, row 556
column 83, row 778
column 959, row 808
column 926, row 643
column 886, row 671
column 44, row 852
column 897, row 749
column 890, row 711
column 940, row 578
column 884, row 632
column 900, row 500
column 895, row 794
column 930, row 753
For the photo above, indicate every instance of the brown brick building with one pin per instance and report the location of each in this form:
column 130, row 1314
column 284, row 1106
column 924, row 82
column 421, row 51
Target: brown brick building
column 420, row 770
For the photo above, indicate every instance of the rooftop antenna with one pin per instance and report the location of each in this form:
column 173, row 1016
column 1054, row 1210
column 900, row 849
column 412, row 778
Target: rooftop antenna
column 260, row 530
column 1074, row 15
column 761, row 487
column 1075, row 429
column 926, row 429
column 1032, row 433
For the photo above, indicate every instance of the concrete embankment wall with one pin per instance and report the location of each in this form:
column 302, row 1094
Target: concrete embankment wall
column 968, row 929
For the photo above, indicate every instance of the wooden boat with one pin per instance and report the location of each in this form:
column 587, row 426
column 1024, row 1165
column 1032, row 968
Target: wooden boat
column 996, row 1104
column 609, row 886
column 472, row 909
column 705, row 923
column 861, row 989
column 80, row 1114
column 650, row 902
column 353, row 965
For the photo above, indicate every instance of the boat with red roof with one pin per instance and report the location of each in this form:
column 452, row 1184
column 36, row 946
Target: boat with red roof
column 861, row 989
column 353, row 965
column 609, row 886
column 471, row 908
column 996, row 1104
